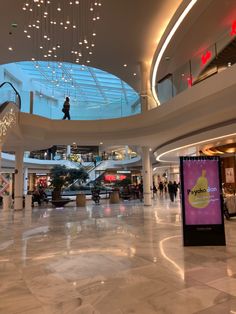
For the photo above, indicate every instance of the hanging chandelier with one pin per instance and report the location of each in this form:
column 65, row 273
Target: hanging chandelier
column 62, row 30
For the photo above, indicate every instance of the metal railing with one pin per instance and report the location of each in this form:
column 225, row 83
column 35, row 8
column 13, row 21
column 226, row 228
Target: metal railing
column 11, row 95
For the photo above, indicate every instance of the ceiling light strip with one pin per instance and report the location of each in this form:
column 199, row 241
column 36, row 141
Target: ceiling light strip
column 164, row 46
column 158, row 158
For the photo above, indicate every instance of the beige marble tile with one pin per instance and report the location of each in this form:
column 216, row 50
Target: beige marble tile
column 67, row 307
column 226, row 284
column 124, row 261
column 206, row 274
column 17, row 299
column 228, row 307
column 187, row 301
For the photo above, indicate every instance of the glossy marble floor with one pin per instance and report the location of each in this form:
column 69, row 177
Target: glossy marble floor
column 111, row 259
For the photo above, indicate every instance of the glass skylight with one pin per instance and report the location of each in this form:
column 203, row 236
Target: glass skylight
column 94, row 94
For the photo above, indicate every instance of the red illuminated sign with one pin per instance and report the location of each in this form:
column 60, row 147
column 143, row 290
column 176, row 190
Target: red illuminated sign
column 233, row 29
column 113, row 177
column 190, row 81
column 206, row 56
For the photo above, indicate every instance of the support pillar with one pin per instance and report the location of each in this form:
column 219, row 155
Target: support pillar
column 26, row 173
column 146, row 177
column 18, row 187
column 147, row 100
column 31, row 102
column 151, row 176
column 127, row 152
column 68, row 151
column 144, row 86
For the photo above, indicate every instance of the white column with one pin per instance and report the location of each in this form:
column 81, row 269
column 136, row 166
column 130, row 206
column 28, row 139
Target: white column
column 146, row 177
column 151, row 176
column 26, row 172
column 126, row 152
column 144, row 86
column 18, row 187
column 68, row 150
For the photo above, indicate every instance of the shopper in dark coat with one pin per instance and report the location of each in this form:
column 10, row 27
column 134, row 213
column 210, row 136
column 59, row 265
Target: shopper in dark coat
column 171, row 190
column 66, row 109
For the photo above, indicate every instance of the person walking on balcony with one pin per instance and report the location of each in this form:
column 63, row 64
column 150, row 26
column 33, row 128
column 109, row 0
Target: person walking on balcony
column 66, row 109
column 95, row 162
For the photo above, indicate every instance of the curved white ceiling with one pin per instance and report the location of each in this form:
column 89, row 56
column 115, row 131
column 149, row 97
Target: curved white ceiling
column 128, row 33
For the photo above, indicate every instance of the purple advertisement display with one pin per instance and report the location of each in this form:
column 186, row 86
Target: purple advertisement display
column 202, row 192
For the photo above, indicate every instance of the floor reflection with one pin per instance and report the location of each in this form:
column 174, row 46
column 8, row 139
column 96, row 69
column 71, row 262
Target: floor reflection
column 122, row 258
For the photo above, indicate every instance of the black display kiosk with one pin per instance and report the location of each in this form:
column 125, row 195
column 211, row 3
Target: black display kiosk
column 202, row 201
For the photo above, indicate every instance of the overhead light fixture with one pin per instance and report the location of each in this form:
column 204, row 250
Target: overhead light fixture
column 164, row 46
column 45, row 24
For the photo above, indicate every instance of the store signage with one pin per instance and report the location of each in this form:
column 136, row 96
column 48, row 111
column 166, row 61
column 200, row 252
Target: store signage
column 114, row 177
column 206, row 56
column 229, row 175
column 123, row 171
column 201, row 198
column 233, row 29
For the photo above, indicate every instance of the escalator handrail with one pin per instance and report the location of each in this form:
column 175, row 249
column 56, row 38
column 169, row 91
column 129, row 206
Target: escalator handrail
column 4, row 83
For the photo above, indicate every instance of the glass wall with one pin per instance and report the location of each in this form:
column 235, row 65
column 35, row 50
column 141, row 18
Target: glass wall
column 215, row 58
column 94, row 94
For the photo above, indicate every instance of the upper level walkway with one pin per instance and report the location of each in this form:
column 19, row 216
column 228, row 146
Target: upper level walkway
column 205, row 105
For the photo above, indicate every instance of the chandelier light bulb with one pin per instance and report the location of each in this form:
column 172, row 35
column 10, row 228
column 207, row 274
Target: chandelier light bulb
column 46, row 17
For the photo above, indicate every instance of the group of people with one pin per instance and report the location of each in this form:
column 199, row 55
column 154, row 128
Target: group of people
column 132, row 191
column 170, row 187
column 39, row 196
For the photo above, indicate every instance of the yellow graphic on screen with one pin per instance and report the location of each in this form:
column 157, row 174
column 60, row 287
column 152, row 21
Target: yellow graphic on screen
column 199, row 196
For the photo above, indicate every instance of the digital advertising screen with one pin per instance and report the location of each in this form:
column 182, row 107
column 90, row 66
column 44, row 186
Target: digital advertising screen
column 202, row 192
column 201, row 197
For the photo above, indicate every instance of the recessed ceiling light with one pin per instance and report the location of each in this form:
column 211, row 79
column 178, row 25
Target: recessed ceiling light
column 125, row 65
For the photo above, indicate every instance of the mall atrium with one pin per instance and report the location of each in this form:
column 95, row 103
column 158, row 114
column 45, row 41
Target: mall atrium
column 148, row 82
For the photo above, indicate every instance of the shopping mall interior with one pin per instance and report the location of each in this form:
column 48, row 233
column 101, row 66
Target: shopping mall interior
column 118, row 156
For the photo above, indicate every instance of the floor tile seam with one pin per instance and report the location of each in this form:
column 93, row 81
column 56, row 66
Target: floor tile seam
column 215, row 305
column 39, row 299
column 220, row 291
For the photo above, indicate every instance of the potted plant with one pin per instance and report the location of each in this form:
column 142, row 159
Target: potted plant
column 61, row 177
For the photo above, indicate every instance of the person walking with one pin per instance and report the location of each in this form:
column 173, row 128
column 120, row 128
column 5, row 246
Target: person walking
column 175, row 188
column 66, row 109
column 171, row 190
column 154, row 191
column 161, row 188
